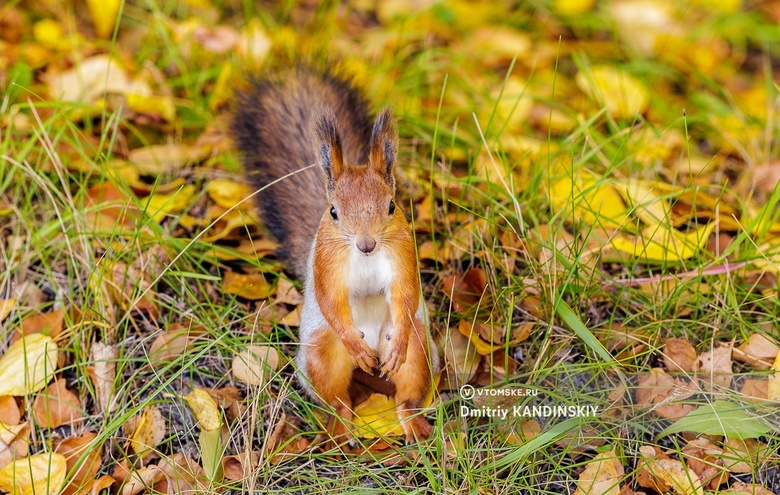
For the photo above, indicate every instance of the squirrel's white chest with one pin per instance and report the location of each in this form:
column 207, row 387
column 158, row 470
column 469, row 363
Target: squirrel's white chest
column 368, row 283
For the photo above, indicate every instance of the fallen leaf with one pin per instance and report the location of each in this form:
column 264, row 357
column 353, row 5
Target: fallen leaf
column 773, row 388
column 624, row 95
column 590, row 199
column 28, row 365
column 679, row 355
column 46, row 323
column 460, row 359
column 57, row 406
column 182, row 475
column 665, row 474
column 171, row 345
column 205, row 409
column 142, row 479
column 255, row 364
column 6, row 306
column 158, row 206
column 758, row 351
column 149, row 431
column 35, row 475
column 240, row 466
column 105, row 15
column 377, row 417
column 12, row 437
column 715, row 367
column 661, row 392
column 743, row 488
column 227, row 193
column 601, row 476
column 285, row 442
column 103, row 374
column 286, row 293
column 9, row 411
column 249, row 286
column 161, row 158
column 664, row 243
column 80, row 451
column 254, row 43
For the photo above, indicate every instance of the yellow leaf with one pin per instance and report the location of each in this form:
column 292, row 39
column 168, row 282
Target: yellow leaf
column 252, row 286
column 35, row 475
column 48, row 32
column 160, row 205
column 622, row 94
column 773, row 392
column 601, row 476
column 572, row 7
column 663, row 243
column 223, row 88
column 591, row 200
column 643, row 197
column 149, row 431
column 104, row 15
column 228, row 193
column 6, row 306
column 28, row 365
column 205, row 409
column 376, row 417
column 148, row 104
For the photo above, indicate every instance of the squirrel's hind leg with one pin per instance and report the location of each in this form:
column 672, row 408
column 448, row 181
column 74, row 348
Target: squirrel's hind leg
column 413, row 382
column 329, row 372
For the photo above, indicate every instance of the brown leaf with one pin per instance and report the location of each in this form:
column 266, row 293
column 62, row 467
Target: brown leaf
column 742, row 488
column 170, row 345
column 182, row 475
column 743, row 456
column 703, row 457
column 758, row 351
column 665, row 474
column 756, row 388
column 241, row 466
column 141, row 479
column 6, row 306
column 103, row 374
column 13, row 443
column 659, row 391
column 285, row 442
column 715, row 367
column 9, row 411
column 57, row 406
column 679, row 355
column 74, row 449
column 46, row 323
column 286, row 293
column 460, row 360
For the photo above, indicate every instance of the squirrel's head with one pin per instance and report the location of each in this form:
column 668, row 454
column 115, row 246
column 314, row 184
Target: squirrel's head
column 360, row 196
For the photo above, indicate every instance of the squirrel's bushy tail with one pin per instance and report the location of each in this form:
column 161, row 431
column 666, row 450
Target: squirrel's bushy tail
column 272, row 127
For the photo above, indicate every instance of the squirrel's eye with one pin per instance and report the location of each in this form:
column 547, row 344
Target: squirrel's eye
column 392, row 207
column 333, row 213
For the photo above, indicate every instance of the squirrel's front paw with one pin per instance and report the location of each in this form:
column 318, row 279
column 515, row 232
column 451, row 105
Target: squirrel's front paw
column 362, row 354
column 395, row 356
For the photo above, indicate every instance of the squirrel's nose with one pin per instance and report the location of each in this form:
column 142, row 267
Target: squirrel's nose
column 366, row 244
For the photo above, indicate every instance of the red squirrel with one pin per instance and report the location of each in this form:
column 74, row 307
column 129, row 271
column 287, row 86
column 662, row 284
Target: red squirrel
column 343, row 234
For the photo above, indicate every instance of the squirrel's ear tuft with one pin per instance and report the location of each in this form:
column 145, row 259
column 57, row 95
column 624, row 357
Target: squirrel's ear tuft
column 327, row 145
column 384, row 146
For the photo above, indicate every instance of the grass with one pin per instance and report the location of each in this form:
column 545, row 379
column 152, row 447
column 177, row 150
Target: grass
column 492, row 211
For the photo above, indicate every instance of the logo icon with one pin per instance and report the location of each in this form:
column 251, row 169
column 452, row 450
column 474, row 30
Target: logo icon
column 467, row 392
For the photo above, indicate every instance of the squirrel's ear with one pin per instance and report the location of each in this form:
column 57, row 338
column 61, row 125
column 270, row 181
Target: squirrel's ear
column 327, row 146
column 384, row 146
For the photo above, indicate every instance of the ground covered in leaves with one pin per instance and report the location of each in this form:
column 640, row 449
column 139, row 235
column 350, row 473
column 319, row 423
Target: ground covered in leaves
column 594, row 193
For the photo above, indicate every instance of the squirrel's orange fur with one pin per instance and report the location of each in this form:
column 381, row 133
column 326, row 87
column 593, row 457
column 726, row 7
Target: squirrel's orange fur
column 344, row 235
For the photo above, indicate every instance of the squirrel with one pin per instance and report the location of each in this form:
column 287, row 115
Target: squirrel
column 342, row 233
